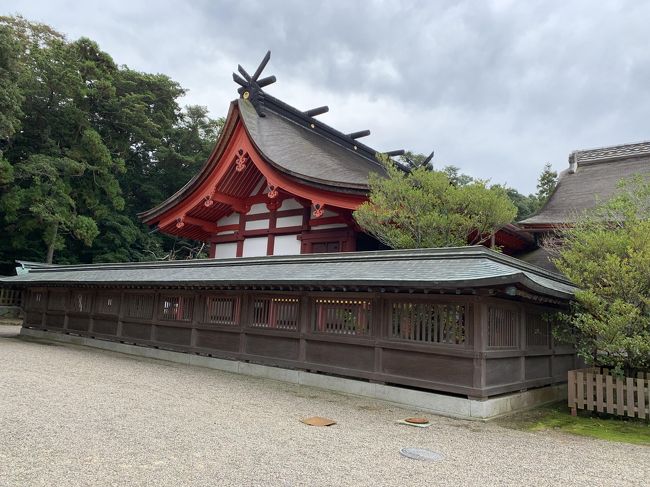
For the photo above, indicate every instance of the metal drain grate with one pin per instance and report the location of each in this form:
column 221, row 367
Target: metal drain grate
column 421, row 454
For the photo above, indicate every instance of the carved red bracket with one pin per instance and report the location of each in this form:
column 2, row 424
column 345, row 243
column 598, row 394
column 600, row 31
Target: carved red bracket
column 240, row 161
column 319, row 209
column 273, row 192
column 180, row 223
column 208, row 202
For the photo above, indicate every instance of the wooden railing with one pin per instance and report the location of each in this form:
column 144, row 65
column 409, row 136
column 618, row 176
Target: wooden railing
column 10, row 297
column 596, row 389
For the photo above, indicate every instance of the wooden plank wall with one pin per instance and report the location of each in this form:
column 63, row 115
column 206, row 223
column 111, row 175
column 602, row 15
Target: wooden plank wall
column 436, row 342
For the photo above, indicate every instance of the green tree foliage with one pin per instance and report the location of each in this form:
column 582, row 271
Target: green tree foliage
column 607, row 255
column 10, row 97
column 423, row 208
column 526, row 204
column 546, row 183
column 85, row 145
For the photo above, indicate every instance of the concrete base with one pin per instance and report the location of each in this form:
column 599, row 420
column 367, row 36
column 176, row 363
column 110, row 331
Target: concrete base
column 456, row 407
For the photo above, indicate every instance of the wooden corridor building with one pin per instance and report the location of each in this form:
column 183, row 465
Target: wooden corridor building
column 466, row 320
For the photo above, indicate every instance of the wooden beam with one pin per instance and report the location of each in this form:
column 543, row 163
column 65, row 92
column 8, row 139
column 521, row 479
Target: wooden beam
column 204, row 224
column 359, row 134
column 239, row 205
column 317, row 111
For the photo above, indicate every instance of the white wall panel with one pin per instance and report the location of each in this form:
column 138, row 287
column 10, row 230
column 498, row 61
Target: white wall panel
column 226, row 250
column 289, row 221
column 254, row 247
column 231, row 219
column 258, row 208
column 291, row 204
column 286, row 245
column 257, row 225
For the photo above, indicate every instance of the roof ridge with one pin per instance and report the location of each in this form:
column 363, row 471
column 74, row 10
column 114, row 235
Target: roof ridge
column 610, row 152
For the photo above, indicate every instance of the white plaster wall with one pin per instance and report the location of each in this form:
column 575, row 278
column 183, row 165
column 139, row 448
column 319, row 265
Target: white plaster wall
column 257, row 225
column 258, row 208
column 290, row 204
column 254, row 247
column 329, row 213
column 226, row 250
column 286, row 245
column 289, row 221
column 231, row 219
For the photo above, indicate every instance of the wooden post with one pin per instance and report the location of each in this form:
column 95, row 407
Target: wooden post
column 66, row 306
column 522, row 343
column 303, row 327
column 91, row 315
column 245, row 320
column 380, row 315
column 571, row 384
column 120, row 313
column 609, row 393
column 200, row 304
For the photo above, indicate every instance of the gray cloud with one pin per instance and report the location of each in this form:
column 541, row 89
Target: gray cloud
column 497, row 88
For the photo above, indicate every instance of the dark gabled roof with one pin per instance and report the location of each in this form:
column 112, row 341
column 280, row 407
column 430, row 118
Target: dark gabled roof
column 306, row 148
column 539, row 257
column 320, row 156
column 593, row 177
column 446, row 268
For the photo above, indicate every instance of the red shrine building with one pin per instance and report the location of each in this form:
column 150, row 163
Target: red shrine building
column 280, row 182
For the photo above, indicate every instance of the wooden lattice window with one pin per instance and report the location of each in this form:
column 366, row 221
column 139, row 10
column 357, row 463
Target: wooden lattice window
column 80, row 302
column 538, row 331
column 503, row 328
column 342, row 316
column 429, row 322
column 176, row 308
column 139, row 306
column 276, row 312
column 57, row 300
column 107, row 304
column 222, row 310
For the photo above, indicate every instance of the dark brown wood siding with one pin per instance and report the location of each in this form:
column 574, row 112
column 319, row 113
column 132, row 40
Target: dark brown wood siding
column 472, row 345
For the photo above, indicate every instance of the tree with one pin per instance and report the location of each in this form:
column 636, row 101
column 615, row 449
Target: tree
column 607, row 255
column 546, row 183
column 456, row 177
column 86, row 145
column 422, row 208
column 528, row 205
column 62, row 169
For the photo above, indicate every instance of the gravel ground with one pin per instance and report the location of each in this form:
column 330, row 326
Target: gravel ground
column 78, row 416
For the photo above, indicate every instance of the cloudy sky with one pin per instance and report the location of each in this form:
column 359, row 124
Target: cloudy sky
column 497, row 87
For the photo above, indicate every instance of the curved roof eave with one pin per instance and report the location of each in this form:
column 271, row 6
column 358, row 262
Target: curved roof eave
column 232, row 118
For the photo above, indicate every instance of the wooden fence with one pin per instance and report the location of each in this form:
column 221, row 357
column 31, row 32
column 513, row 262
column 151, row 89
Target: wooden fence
column 10, row 297
column 595, row 389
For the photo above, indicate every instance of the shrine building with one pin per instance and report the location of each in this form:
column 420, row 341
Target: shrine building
column 468, row 327
column 281, row 182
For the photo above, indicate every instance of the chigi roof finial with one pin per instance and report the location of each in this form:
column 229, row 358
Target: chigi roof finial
column 251, row 86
